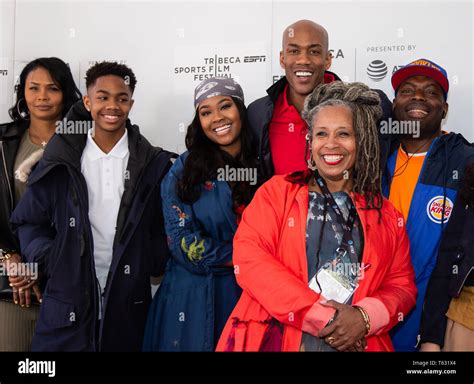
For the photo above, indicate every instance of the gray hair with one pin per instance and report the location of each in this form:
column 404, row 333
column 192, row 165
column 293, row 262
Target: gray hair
column 366, row 111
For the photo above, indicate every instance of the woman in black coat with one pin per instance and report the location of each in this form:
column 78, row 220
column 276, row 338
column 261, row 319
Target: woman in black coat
column 45, row 92
column 448, row 313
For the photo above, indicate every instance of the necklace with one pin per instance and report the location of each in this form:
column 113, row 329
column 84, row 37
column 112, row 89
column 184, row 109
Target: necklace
column 405, row 164
column 37, row 140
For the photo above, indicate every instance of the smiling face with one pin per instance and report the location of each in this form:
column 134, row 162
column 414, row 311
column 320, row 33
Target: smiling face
column 420, row 99
column 43, row 96
column 305, row 56
column 221, row 123
column 109, row 100
column 334, row 142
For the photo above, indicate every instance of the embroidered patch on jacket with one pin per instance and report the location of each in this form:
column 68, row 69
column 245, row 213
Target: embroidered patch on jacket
column 181, row 214
column 195, row 249
column 208, row 185
column 434, row 209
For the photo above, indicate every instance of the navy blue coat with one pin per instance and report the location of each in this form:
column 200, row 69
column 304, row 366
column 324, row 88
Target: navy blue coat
column 53, row 227
column 438, row 181
column 198, row 293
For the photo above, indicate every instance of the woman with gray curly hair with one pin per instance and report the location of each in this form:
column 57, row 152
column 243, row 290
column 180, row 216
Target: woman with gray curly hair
column 322, row 257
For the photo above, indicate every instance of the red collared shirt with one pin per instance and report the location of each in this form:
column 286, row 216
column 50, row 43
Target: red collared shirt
column 287, row 134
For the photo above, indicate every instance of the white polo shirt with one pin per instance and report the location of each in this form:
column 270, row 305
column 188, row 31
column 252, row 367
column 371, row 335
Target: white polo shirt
column 105, row 177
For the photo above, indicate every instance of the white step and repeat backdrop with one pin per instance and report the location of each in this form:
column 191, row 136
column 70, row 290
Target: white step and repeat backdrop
column 171, row 46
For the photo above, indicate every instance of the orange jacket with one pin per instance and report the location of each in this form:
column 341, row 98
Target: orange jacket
column 271, row 266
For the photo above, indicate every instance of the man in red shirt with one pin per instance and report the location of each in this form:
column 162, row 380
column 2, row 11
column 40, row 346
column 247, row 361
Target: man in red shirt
column 278, row 131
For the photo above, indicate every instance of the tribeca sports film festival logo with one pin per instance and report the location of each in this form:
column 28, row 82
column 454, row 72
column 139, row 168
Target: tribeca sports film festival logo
column 215, row 65
column 377, row 70
column 434, row 209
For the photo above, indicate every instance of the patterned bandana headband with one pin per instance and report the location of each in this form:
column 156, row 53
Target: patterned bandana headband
column 217, row 86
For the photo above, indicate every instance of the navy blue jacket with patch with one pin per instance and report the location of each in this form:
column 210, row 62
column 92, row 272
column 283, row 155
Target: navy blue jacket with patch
column 438, row 182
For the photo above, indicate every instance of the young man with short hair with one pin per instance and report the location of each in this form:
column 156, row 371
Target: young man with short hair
column 92, row 216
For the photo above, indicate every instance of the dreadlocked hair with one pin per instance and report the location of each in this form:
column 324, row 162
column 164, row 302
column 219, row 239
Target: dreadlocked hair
column 366, row 111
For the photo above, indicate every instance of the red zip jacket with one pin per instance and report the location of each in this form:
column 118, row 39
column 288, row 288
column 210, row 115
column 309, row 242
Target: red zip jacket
column 271, row 266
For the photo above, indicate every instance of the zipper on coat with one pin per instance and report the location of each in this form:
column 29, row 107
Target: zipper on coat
column 96, row 291
column 87, row 230
column 94, row 287
column 6, row 176
column 467, row 274
column 100, row 318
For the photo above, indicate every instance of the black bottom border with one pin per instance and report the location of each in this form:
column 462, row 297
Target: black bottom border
column 70, row 367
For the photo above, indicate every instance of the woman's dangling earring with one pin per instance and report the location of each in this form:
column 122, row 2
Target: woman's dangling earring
column 311, row 163
column 23, row 114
